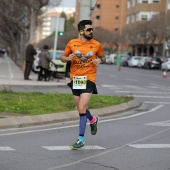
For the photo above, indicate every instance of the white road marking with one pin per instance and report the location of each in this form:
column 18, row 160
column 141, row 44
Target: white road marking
column 160, row 97
column 71, row 126
column 156, row 102
column 148, row 92
column 108, row 86
column 153, row 87
column 150, row 146
column 6, row 148
column 132, row 80
column 157, row 85
column 106, row 152
column 163, row 123
column 130, row 86
column 59, row 148
column 135, row 115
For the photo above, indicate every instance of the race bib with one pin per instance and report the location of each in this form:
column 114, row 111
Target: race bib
column 79, row 82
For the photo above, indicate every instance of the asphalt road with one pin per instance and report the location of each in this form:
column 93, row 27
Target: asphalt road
column 135, row 140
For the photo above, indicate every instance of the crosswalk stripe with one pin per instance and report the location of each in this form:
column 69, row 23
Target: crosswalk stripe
column 88, row 147
column 6, row 148
column 164, row 123
column 150, row 146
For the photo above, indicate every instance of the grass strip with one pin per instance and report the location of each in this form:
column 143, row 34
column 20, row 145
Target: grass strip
column 33, row 103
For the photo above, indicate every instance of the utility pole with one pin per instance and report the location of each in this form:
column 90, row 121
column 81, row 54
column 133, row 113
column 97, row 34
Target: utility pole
column 120, row 29
column 165, row 43
column 86, row 7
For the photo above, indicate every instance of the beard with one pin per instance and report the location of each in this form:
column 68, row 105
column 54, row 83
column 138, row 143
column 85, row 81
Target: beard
column 89, row 37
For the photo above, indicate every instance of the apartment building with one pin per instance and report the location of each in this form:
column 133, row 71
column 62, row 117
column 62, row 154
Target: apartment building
column 107, row 14
column 139, row 10
column 44, row 29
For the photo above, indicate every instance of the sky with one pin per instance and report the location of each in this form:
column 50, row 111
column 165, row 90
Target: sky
column 68, row 3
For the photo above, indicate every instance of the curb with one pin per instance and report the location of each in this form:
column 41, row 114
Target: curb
column 25, row 121
column 35, row 87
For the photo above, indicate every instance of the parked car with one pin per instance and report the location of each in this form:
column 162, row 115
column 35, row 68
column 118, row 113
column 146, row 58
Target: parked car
column 61, row 66
column 154, row 62
column 110, row 58
column 165, row 66
column 133, row 61
column 142, row 61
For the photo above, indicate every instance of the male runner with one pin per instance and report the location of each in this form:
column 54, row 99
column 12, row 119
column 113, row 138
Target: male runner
column 85, row 55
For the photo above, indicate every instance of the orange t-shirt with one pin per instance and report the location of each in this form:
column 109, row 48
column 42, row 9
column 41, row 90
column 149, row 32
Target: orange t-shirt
column 85, row 52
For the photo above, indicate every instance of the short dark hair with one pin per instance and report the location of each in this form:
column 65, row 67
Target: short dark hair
column 45, row 47
column 81, row 24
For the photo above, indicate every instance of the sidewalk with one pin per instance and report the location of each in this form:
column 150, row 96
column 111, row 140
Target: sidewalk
column 11, row 77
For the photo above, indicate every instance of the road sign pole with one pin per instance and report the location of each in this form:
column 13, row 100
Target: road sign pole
column 55, row 42
column 56, row 37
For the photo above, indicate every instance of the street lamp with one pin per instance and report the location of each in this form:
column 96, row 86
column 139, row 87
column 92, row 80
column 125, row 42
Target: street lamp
column 165, row 43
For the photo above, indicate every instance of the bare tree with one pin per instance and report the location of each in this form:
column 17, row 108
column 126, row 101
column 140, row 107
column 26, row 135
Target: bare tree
column 18, row 19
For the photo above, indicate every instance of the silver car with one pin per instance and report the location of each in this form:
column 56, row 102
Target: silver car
column 142, row 61
column 165, row 66
column 133, row 62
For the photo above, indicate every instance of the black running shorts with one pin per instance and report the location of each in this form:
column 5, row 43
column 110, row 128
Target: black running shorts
column 90, row 88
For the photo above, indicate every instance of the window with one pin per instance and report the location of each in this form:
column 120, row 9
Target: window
column 117, row 6
column 144, row 1
column 97, row 17
column 149, row 1
column 132, row 18
column 128, row 5
column 116, row 29
column 144, row 17
column 156, row 1
column 133, row 2
column 127, row 20
column 98, row 6
column 116, row 17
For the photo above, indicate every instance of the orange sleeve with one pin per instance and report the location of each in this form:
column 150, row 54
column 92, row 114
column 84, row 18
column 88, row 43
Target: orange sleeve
column 68, row 50
column 100, row 51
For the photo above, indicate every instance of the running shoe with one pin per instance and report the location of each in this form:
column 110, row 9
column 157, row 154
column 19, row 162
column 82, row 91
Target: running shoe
column 78, row 145
column 94, row 126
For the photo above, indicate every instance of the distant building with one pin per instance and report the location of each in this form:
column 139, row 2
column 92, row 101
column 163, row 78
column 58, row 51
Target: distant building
column 43, row 29
column 144, row 10
column 107, row 14
column 141, row 11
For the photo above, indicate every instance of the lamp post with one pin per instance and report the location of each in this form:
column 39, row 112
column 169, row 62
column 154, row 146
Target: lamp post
column 165, row 43
column 86, row 8
column 120, row 30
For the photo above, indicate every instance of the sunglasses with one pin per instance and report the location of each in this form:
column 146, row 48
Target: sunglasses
column 88, row 29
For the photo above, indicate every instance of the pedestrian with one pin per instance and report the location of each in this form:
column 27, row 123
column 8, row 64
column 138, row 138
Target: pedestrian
column 44, row 64
column 30, row 52
column 85, row 55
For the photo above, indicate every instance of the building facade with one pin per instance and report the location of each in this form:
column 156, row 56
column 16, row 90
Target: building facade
column 107, row 14
column 140, row 11
column 144, row 10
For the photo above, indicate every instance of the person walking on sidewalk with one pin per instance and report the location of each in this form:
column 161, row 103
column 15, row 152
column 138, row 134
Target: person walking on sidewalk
column 85, row 55
column 44, row 63
column 29, row 58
